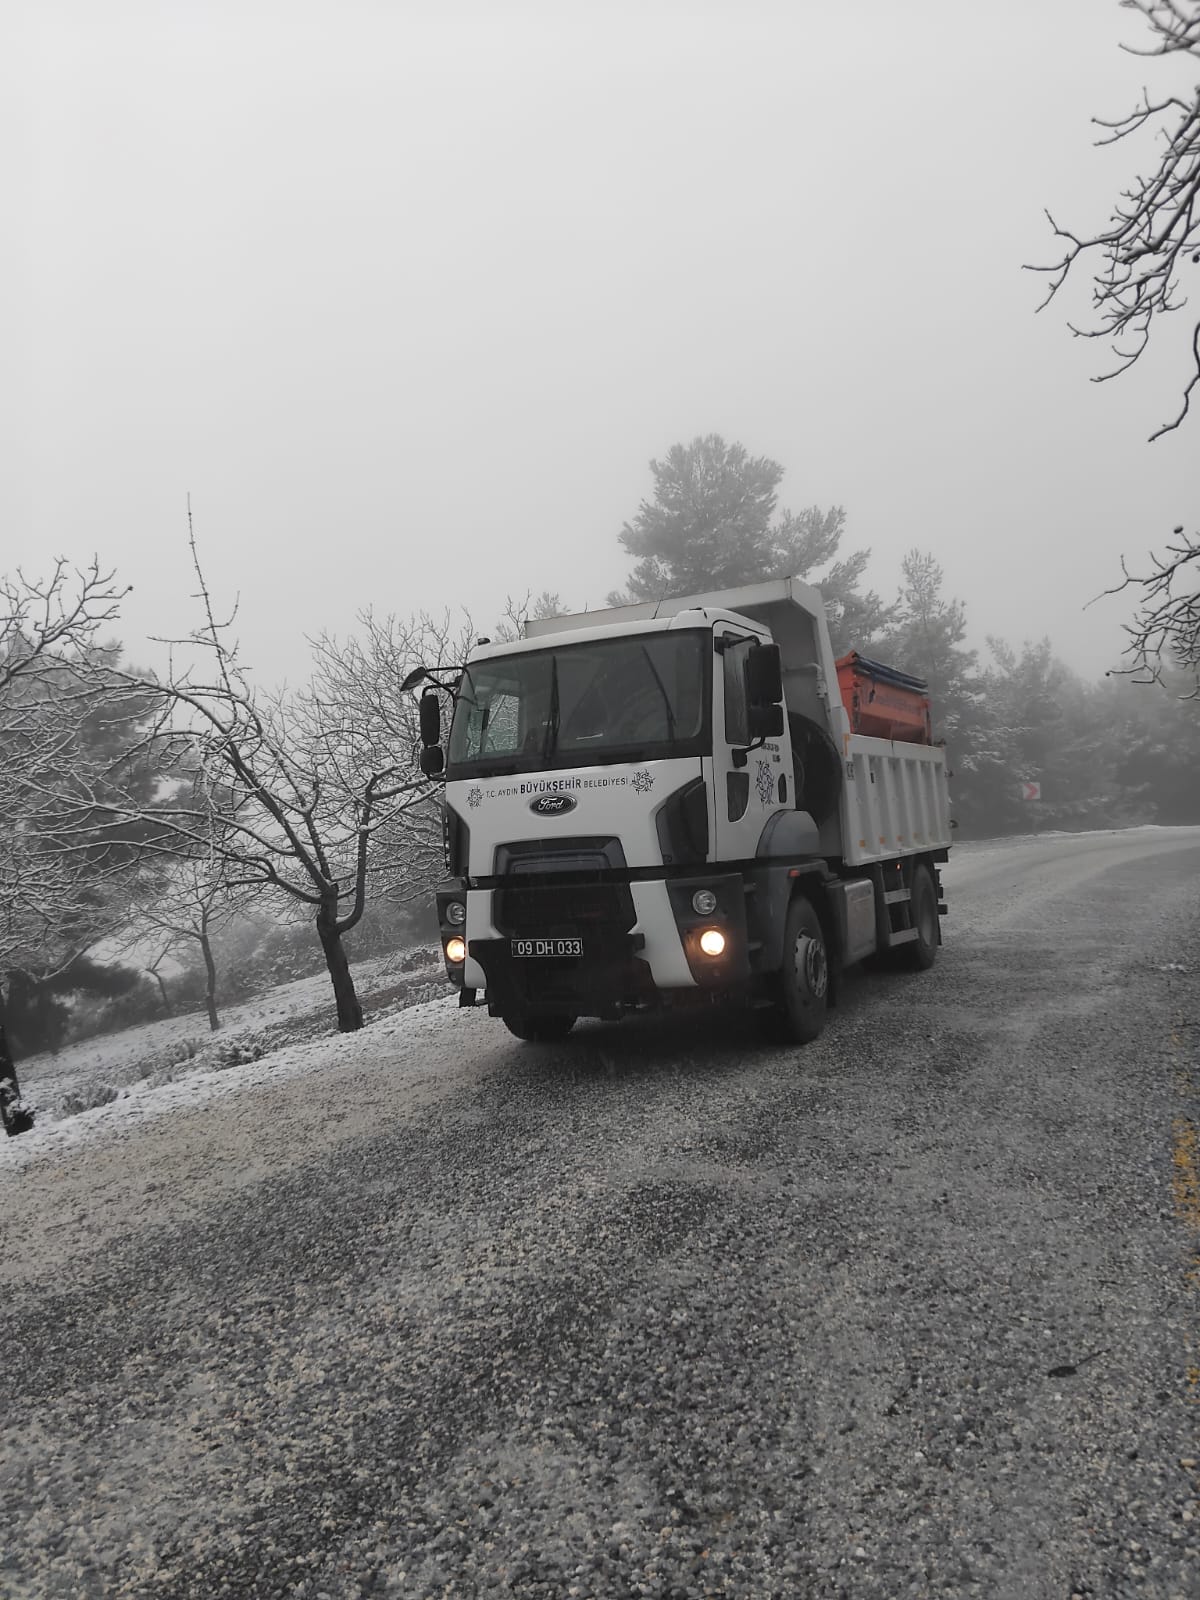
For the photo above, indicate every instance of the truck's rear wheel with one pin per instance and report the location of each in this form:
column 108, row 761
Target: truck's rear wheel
column 921, row 952
column 544, row 1029
column 804, row 981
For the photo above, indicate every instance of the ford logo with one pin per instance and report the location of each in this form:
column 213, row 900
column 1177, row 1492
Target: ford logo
column 552, row 805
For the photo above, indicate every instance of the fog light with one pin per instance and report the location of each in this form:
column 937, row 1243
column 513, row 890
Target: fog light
column 456, row 913
column 456, row 949
column 712, row 942
column 704, row 902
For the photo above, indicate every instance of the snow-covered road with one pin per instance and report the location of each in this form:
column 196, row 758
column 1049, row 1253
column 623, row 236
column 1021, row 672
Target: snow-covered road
column 424, row 1311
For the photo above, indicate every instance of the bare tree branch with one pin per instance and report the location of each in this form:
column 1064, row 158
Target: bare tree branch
column 1154, row 229
column 1165, row 632
column 188, row 906
column 51, row 622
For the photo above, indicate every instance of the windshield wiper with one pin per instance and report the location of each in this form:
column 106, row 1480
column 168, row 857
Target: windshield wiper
column 551, row 739
column 662, row 689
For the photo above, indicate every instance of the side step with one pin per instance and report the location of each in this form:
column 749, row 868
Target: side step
column 892, row 907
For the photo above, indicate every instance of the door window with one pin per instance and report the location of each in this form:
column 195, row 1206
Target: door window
column 737, row 705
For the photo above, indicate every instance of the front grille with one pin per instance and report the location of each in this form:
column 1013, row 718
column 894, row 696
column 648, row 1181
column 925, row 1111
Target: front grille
column 570, row 886
column 573, row 888
column 564, row 908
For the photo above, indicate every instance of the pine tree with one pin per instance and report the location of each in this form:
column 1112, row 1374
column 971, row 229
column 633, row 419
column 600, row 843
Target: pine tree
column 927, row 640
column 712, row 524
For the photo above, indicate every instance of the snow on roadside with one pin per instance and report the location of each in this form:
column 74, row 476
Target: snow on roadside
column 108, row 1053
column 84, row 1074
column 393, row 1037
column 1002, row 841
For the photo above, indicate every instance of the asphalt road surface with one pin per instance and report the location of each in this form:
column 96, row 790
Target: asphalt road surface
column 661, row 1311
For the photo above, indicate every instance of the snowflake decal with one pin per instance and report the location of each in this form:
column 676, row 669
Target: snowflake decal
column 765, row 783
column 474, row 796
column 643, row 781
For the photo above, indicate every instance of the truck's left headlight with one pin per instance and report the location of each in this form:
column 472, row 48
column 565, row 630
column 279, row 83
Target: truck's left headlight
column 456, row 913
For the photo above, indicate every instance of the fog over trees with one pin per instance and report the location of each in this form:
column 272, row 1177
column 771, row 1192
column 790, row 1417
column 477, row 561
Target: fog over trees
column 1018, row 716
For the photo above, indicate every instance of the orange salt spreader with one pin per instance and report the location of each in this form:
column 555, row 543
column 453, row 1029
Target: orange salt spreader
column 882, row 702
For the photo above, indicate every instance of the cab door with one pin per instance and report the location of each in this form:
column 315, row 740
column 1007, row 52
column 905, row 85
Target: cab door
column 748, row 785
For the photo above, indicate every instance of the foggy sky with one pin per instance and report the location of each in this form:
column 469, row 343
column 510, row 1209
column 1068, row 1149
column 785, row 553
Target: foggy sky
column 407, row 295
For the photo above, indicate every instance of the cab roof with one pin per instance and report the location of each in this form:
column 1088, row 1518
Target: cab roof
column 553, row 633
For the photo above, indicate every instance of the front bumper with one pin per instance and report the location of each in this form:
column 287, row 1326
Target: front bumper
column 641, row 943
column 611, row 978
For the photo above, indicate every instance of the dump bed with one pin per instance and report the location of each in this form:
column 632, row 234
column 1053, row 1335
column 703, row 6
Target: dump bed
column 895, row 801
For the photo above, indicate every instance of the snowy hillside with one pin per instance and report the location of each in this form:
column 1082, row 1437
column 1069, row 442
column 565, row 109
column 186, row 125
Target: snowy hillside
column 144, row 1071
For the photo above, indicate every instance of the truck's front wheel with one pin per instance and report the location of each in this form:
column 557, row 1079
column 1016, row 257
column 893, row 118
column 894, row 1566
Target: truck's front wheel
column 544, row 1029
column 804, row 981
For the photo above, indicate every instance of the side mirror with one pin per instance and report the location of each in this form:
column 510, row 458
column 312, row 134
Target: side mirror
column 432, row 761
column 766, row 722
column 764, row 675
column 431, row 719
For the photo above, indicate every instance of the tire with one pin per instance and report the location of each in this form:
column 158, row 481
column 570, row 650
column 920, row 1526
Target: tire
column 803, row 999
column 548, row 1028
column 921, row 953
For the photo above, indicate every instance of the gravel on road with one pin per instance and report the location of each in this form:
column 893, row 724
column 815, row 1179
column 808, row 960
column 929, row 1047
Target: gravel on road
column 661, row 1311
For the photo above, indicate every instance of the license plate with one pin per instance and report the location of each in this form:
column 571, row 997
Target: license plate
column 546, row 947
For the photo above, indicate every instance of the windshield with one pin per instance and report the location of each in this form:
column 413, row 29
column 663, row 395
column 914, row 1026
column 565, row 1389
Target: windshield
column 626, row 699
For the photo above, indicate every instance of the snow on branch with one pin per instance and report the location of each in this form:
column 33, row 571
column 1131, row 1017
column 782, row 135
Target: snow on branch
column 48, row 625
column 57, row 749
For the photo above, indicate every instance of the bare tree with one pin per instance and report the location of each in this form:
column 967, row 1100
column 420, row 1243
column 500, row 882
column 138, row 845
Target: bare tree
column 1154, row 229
column 187, row 906
column 357, row 685
column 52, row 676
column 517, row 613
column 305, row 784
column 1165, row 631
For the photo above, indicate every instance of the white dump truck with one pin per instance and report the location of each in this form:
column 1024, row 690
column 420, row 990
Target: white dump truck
column 682, row 803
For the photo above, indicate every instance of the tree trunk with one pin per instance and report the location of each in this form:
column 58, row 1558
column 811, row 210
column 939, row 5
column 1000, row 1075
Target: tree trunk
column 210, row 987
column 7, row 1069
column 349, row 1011
column 16, row 1117
column 162, row 989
